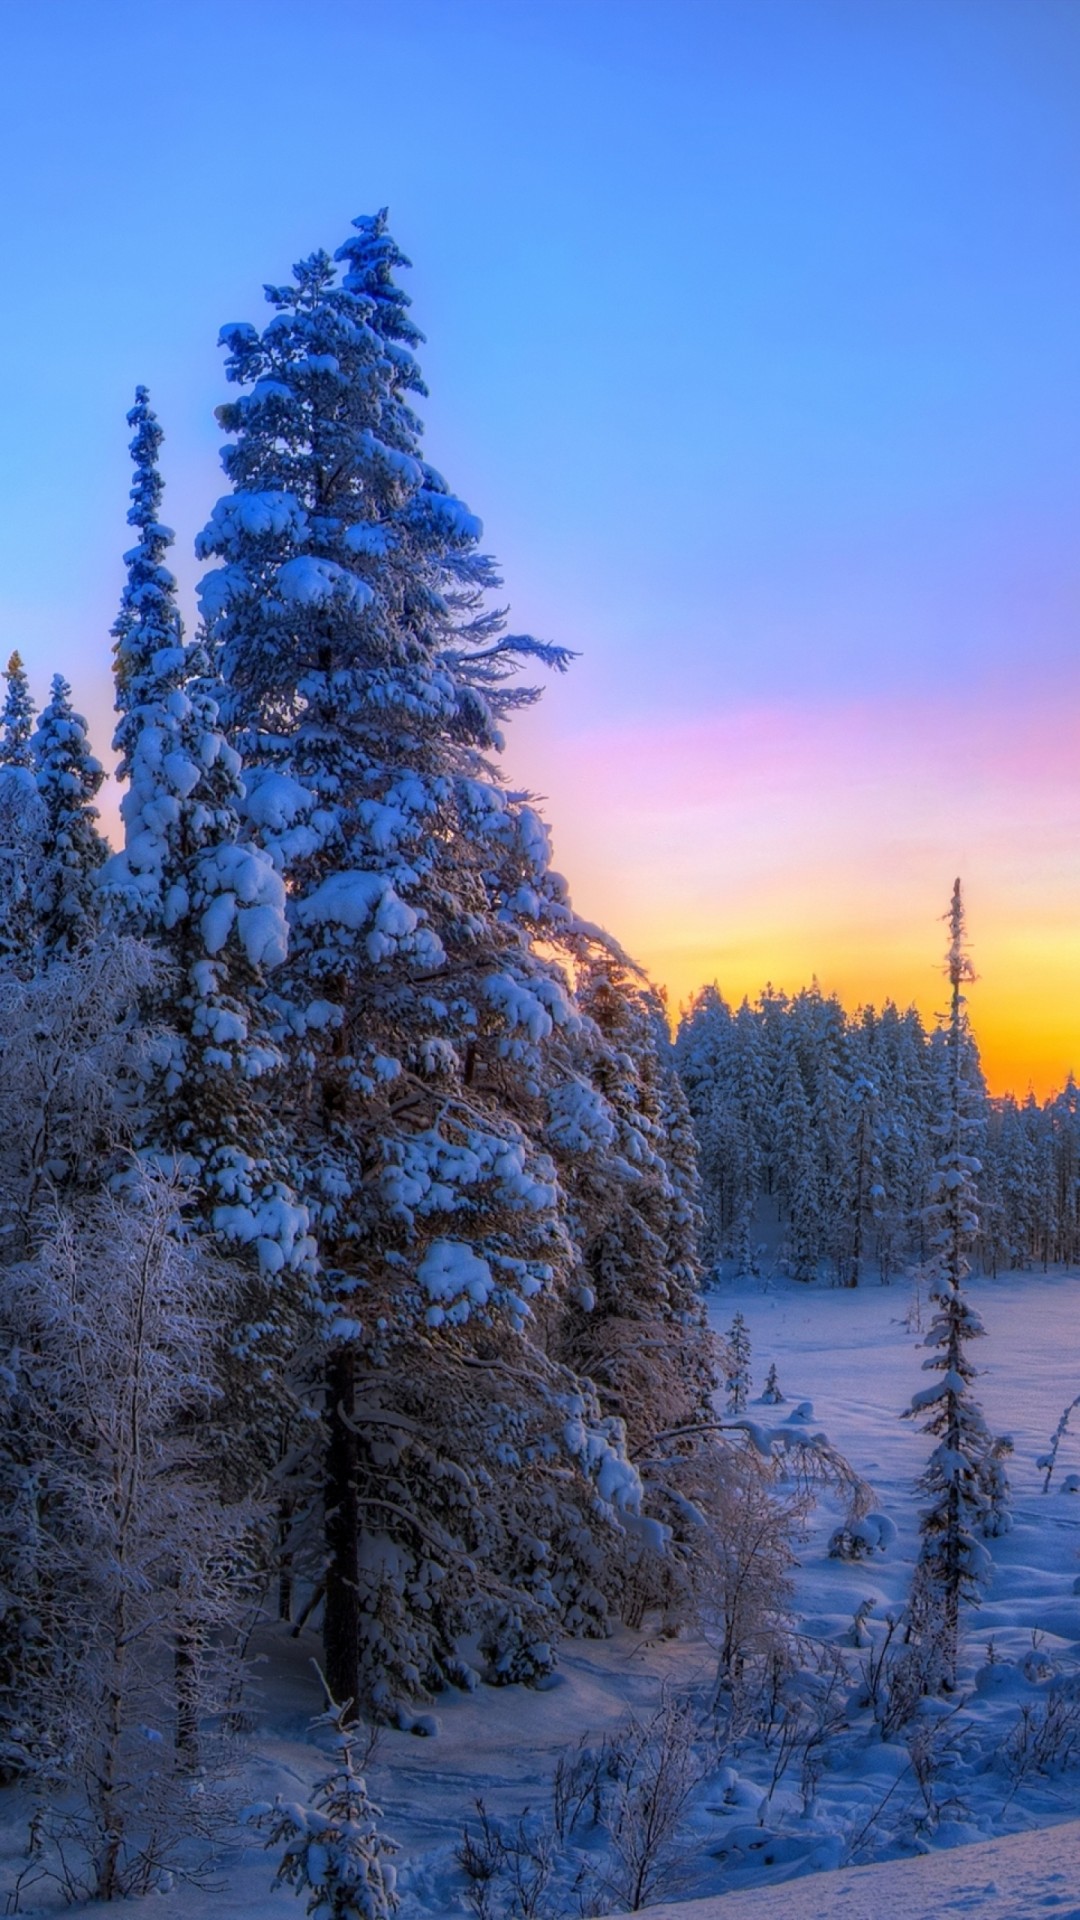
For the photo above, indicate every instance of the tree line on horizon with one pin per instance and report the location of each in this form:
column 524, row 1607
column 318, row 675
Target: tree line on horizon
column 821, row 1124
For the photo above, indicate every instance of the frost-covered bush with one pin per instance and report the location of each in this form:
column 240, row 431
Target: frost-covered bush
column 614, row 1834
column 72, row 1047
column 747, row 1610
column 861, row 1536
column 137, row 1563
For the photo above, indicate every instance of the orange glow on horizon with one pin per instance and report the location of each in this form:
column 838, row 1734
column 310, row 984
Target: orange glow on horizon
column 776, row 845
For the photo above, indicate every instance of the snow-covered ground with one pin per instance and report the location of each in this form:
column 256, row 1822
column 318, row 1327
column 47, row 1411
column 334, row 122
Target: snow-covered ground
column 856, row 1358
column 1028, row 1876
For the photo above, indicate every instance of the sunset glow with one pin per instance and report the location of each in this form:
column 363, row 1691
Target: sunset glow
column 774, row 844
column 752, row 338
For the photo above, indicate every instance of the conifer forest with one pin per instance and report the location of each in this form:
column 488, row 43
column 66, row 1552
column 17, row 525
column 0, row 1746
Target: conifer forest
column 411, row 1327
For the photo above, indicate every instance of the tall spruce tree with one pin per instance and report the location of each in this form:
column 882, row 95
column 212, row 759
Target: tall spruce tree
column 366, row 682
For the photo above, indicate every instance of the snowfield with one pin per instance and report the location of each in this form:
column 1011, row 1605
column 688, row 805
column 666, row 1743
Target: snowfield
column 855, row 1357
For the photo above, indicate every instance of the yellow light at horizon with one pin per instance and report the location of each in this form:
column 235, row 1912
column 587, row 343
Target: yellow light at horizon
column 778, row 846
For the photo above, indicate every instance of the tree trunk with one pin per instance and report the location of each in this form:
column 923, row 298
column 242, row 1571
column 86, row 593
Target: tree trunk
column 341, row 1612
column 285, row 1563
column 186, row 1680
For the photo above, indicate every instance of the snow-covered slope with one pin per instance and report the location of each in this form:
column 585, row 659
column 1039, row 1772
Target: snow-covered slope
column 1023, row 1877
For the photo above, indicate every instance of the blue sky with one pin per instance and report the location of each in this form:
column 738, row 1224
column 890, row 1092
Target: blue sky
column 754, row 337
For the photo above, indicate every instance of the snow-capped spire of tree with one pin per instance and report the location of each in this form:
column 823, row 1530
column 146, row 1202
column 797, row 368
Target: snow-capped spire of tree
column 17, row 718
column 186, row 881
column 72, row 850
column 362, row 675
column 148, row 631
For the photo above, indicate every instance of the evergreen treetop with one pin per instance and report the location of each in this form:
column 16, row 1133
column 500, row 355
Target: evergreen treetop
column 68, row 778
column 187, row 880
column 17, row 718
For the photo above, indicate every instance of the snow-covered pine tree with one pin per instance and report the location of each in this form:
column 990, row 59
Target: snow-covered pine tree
column 751, row 1108
column 213, row 904
column 64, row 892
column 20, row 823
column 737, row 1370
column 963, row 1478
column 862, row 1142
column 17, row 718
column 366, row 683
column 637, row 1326
column 703, row 1056
column 796, row 1169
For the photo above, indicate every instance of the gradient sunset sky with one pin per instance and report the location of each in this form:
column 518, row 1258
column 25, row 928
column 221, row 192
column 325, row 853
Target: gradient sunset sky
column 754, row 338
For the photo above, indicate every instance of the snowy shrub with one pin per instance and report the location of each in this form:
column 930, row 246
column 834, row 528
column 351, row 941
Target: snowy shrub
column 614, row 1834
column 1045, row 1738
column 861, row 1536
column 71, row 1049
column 509, row 1868
column 747, row 1612
column 657, row 1765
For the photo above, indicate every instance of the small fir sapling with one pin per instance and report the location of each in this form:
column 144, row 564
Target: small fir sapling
column 772, row 1395
column 998, row 1518
column 737, row 1365
column 334, row 1850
